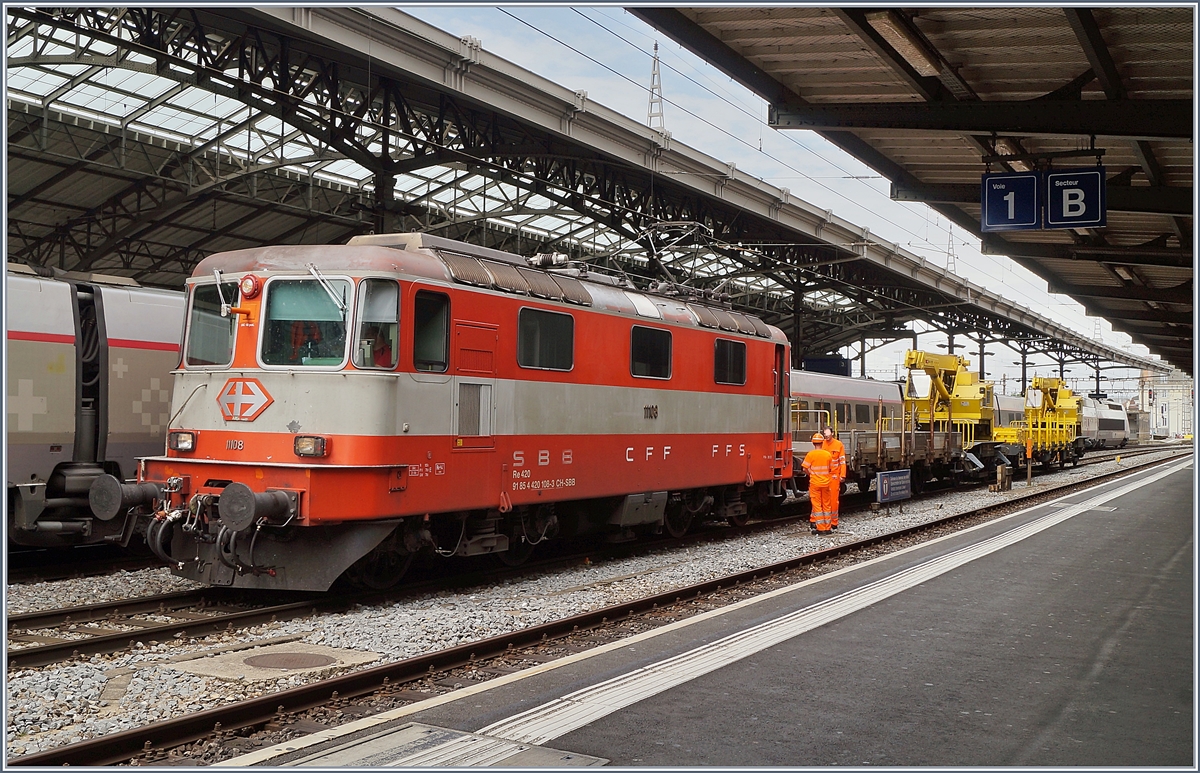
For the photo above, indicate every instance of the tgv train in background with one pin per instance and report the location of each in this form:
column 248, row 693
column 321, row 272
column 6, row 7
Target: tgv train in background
column 1105, row 424
column 89, row 362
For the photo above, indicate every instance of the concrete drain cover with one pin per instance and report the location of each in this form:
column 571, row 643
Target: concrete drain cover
column 288, row 661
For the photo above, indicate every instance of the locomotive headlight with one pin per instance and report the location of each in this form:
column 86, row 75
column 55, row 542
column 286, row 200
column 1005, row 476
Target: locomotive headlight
column 249, row 286
column 181, row 441
column 308, row 445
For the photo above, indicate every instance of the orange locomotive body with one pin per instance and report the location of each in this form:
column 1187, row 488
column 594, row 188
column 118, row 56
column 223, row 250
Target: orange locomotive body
column 338, row 409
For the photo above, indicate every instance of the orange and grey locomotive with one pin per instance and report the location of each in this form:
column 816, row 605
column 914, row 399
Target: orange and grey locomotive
column 338, row 409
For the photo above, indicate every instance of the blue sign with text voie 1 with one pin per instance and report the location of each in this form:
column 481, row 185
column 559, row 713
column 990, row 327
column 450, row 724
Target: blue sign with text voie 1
column 1011, row 202
column 893, row 486
column 1075, row 198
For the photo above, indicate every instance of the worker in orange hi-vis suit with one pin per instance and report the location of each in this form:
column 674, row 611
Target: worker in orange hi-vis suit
column 817, row 464
column 837, row 469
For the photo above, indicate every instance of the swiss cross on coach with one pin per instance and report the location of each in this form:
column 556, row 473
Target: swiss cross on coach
column 243, row 399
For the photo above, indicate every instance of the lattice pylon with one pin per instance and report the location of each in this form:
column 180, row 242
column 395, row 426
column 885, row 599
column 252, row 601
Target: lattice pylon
column 654, row 111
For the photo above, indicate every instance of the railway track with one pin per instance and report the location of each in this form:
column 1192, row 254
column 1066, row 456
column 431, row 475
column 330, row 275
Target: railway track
column 375, row 689
column 56, row 635
column 45, row 565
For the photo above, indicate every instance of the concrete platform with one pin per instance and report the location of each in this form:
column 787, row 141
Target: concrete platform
column 1059, row 635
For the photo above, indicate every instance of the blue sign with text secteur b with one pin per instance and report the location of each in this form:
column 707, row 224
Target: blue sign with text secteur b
column 1075, row 198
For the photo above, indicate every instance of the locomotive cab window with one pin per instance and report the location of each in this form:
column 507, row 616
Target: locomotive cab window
column 431, row 332
column 730, row 364
column 650, row 352
column 304, row 325
column 545, row 340
column 378, row 325
column 210, row 336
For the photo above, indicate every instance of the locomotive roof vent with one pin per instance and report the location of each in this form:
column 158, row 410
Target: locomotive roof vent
column 429, row 244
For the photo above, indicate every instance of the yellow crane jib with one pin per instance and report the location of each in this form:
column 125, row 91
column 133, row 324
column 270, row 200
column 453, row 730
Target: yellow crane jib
column 960, row 395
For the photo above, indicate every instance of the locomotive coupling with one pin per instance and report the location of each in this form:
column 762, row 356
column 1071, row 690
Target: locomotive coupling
column 109, row 496
column 240, row 507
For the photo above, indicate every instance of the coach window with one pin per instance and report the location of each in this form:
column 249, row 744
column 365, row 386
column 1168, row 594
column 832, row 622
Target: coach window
column 650, row 352
column 862, row 414
column 431, row 332
column 305, row 322
column 378, row 324
column 802, row 407
column 210, row 336
column 545, row 339
column 843, row 412
column 730, row 365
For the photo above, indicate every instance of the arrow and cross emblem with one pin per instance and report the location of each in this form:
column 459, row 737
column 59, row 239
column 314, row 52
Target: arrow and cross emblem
column 243, row 399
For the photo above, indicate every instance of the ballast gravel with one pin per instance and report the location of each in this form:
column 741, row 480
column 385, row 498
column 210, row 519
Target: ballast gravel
column 61, row 704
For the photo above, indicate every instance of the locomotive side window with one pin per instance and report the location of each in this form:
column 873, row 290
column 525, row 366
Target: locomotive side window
column 862, row 414
column 650, row 352
column 210, row 336
column 545, row 339
column 730, row 365
column 378, row 325
column 303, row 323
column 431, row 332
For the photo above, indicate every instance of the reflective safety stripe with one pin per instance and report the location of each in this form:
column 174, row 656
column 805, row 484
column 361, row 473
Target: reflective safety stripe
column 822, row 470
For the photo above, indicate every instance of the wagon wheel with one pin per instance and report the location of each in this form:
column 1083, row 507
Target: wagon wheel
column 678, row 520
column 739, row 520
column 519, row 551
column 380, row 570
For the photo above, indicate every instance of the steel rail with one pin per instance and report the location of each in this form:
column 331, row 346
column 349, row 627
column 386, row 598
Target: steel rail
column 120, row 747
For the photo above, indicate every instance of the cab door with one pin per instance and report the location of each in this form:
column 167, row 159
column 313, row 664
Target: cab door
column 782, row 464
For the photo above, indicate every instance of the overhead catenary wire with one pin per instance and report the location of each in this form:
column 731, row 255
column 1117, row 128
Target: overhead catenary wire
column 848, row 174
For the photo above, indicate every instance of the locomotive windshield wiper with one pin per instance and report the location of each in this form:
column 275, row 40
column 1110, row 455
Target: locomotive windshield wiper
column 339, row 302
column 224, row 306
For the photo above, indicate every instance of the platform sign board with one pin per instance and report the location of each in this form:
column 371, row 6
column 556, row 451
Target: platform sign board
column 1075, row 198
column 893, row 486
column 1011, row 202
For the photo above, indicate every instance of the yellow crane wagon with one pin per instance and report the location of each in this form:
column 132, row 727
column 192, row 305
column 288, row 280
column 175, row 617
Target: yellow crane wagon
column 958, row 405
column 1049, row 432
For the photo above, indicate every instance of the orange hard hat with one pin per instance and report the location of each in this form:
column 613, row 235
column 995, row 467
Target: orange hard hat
column 818, row 438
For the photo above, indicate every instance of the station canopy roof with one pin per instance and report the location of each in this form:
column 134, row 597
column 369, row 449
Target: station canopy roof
column 935, row 97
column 142, row 140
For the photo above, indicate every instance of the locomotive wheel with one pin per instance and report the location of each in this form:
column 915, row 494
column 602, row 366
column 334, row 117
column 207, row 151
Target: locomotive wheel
column 380, row 570
column 678, row 520
column 519, row 551
column 739, row 520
